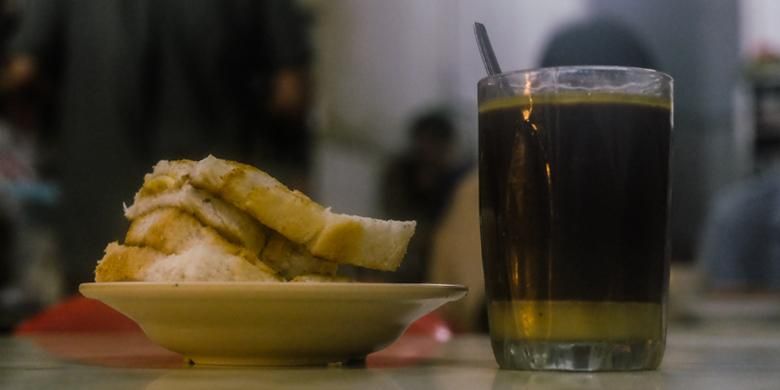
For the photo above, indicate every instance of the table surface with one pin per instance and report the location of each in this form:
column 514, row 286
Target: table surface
column 741, row 356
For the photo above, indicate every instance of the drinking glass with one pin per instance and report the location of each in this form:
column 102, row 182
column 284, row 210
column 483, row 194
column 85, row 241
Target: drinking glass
column 574, row 201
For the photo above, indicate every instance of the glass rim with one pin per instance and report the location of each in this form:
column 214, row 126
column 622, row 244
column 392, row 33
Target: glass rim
column 615, row 68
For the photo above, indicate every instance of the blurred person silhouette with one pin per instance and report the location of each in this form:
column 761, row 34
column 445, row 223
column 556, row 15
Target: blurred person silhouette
column 456, row 257
column 456, row 253
column 417, row 185
column 740, row 244
column 600, row 41
column 135, row 81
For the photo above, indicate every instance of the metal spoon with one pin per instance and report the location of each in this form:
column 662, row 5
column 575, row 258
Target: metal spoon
column 486, row 49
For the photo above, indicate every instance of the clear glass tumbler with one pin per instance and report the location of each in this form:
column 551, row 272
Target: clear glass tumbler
column 574, row 203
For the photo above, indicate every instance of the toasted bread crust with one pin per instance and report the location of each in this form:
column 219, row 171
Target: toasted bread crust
column 204, row 262
column 293, row 259
column 125, row 263
column 201, row 262
column 288, row 212
column 314, row 278
column 166, row 176
column 364, row 242
column 340, row 238
column 173, row 231
column 229, row 221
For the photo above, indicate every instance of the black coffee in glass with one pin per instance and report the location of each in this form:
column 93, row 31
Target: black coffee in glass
column 574, row 202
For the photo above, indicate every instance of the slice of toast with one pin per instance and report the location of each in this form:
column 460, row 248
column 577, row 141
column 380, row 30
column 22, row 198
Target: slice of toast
column 125, row 263
column 166, row 176
column 212, row 211
column 291, row 213
column 204, row 262
column 341, row 238
column 170, row 230
column 314, row 278
column 198, row 263
column 168, row 185
column 365, row 242
column 293, row 260
column 173, row 231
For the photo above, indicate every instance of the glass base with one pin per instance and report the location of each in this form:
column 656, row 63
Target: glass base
column 578, row 356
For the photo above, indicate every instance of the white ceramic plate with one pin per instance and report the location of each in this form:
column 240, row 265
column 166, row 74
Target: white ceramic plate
column 251, row 323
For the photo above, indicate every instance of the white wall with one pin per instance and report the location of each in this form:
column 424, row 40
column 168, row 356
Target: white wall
column 518, row 31
column 380, row 62
column 758, row 25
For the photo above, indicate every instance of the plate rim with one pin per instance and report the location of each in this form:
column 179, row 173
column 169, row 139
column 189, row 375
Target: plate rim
column 348, row 291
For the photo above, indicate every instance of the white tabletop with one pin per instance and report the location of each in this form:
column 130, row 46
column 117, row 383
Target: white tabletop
column 741, row 356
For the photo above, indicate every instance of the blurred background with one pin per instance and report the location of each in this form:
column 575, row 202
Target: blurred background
column 370, row 107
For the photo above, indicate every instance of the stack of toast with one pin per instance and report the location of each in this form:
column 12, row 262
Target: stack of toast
column 219, row 220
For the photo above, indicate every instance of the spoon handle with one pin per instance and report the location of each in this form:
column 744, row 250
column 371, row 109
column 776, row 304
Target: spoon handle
column 486, row 49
